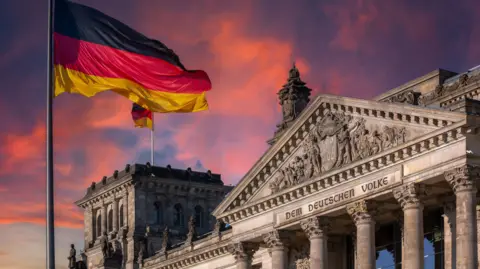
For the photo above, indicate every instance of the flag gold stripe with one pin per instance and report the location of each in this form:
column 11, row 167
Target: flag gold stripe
column 71, row 81
column 143, row 122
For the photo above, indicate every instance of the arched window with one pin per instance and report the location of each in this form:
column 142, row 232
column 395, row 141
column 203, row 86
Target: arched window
column 110, row 220
column 120, row 213
column 99, row 225
column 178, row 217
column 158, row 213
column 199, row 216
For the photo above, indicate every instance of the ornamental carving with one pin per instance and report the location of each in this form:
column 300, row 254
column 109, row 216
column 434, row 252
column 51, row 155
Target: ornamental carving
column 335, row 140
column 407, row 97
column 218, row 228
column 276, row 239
column 166, row 244
column 192, row 231
column 361, row 211
column 463, row 178
column 316, row 226
column 442, row 90
column 300, row 258
column 242, row 250
column 410, row 195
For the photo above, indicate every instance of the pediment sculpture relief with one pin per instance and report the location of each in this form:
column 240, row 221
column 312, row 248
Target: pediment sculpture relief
column 337, row 139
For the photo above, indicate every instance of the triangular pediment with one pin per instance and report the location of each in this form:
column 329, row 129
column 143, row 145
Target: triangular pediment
column 333, row 132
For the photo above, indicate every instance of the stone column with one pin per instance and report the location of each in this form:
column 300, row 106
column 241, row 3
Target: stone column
column 449, row 234
column 243, row 254
column 277, row 244
column 362, row 213
column 410, row 198
column 317, row 229
column 115, row 215
column 104, row 219
column 463, row 182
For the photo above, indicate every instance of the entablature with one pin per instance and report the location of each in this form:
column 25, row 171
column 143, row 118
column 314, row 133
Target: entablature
column 393, row 156
column 424, row 120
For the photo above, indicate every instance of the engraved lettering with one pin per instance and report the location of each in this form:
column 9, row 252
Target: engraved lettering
column 338, row 198
column 293, row 214
column 375, row 184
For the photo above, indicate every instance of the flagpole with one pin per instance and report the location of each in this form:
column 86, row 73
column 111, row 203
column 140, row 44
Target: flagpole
column 152, row 140
column 50, row 247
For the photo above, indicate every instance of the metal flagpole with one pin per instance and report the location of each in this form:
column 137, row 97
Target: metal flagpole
column 49, row 122
column 152, row 140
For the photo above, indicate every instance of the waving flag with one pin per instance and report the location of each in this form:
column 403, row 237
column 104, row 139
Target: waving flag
column 94, row 53
column 142, row 117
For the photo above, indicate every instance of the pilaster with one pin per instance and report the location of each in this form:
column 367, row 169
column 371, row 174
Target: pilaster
column 115, row 215
column 449, row 234
column 88, row 220
column 104, row 218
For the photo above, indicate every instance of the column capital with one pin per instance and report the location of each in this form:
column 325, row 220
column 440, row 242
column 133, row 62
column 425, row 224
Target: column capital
column 463, row 178
column 316, row 227
column 362, row 211
column 242, row 251
column 410, row 195
column 276, row 239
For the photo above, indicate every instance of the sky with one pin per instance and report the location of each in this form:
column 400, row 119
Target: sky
column 355, row 48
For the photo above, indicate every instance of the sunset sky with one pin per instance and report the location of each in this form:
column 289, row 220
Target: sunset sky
column 351, row 48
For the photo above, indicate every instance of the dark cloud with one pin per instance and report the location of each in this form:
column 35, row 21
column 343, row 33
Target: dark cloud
column 356, row 48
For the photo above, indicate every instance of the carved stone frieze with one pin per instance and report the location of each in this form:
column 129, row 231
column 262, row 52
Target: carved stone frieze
column 316, row 226
column 407, row 97
column 243, row 250
column 337, row 139
column 442, row 90
column 362, row 211
column 410, row 195
column 463, row 178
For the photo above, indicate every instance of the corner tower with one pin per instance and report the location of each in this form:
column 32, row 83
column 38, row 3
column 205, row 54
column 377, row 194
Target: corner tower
column 294, row 96
column 135, row 205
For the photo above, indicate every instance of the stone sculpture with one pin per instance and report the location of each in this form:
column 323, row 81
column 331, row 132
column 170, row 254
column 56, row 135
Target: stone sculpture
column 72, row 261
column 335, row 140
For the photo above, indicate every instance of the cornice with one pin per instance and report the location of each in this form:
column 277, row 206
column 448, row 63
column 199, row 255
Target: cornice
column 407, row 86
column 393, row 156
column 108, row 192
column 276, row 155
column 180, row 258
column 464, row 86
column 469, row 91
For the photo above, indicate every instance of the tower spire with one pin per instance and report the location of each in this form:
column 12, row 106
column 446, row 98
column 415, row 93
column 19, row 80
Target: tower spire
column 293, row 97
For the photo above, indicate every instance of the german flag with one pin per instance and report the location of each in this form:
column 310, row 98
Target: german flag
column 94, row 53
column 142, row 117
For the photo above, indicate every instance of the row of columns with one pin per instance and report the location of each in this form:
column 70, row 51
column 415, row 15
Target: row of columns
column 462, row 219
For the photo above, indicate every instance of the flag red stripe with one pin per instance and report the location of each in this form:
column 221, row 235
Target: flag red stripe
column 141, row 114
column 150, row 72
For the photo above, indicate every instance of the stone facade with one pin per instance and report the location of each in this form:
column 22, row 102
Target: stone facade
column 346, row 184
column 129, row 215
